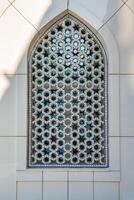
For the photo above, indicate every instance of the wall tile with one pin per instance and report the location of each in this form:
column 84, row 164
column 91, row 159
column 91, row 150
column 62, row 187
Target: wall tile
column 55, row 190
column 40, row 12
column 7, row 168
column 127, row 169
column 54, row 176
column 82, row 10
column 13, row 105
column 21, row 153
column 22, row 66
column 107, row 176
column 25, row 176
column 130, row 3
column 8, row 104
column 4, row 4
column 103, row 10
column 80, row 190
column 110, row 46
column 114, row 153
column 107, row 190
column 29, row 191
column 124, row 1
column 22, row 105
column 113, row 99
column 11, row 1
column 122, row 27
column 16, row 34
column 126, row 105
column 80, row 176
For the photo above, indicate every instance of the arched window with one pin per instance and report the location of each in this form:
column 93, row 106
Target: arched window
column 67, row 90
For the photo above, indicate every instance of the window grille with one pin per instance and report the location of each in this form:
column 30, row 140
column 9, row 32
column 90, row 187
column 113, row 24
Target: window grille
column 67, row 90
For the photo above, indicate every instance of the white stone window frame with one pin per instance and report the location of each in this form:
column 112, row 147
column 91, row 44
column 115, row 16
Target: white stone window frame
column 35, row 40
column 110, row 46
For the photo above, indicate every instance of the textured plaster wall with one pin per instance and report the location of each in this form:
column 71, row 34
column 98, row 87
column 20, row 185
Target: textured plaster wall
column 20, row 20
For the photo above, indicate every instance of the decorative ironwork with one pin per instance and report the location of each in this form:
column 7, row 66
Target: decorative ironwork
column 67, row 97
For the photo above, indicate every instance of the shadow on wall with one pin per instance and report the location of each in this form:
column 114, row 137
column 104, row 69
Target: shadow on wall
column 15, row 67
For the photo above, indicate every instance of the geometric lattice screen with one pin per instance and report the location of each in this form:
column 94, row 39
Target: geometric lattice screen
column 67, row 90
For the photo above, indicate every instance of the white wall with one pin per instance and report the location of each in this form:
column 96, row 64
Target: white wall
column 20, row 20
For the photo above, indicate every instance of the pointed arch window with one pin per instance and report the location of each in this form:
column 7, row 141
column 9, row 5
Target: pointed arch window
column 67, row 96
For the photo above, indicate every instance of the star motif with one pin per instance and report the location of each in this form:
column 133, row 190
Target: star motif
column 60, row 126
column 96, row 90
column 75, row 126
column 60, row 102
column 53, row 114
column 60, row 151
column 53, row 138
column 53, row 91
column 39, row 90
column 46, row 126
column 96, row 65
column 46, row 151
column 82, row 138
column 39, row 138
column 46, row 78
column 89, row 151
column 89, row 77
column 75, row 77
column 82, row 114
column 39, row 114
column 46, row 53
column 88, row 126
column 53, row 65
column 96, row 114
column 60, row 77
column 76, row 27
column 75, row 101
column 59, row 28
column 75, row 151
column 84, row 39
column 39, row 65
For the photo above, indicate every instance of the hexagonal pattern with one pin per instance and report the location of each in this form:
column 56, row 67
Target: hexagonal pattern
column 68, row 97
